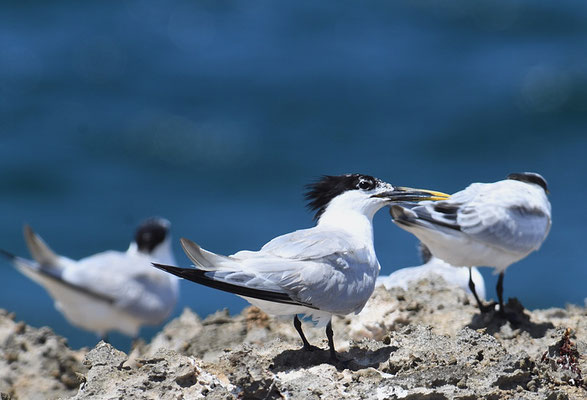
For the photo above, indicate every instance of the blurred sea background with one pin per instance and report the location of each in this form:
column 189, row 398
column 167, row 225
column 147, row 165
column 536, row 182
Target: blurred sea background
column 215, row 114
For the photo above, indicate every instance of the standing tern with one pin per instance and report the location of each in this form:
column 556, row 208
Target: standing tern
column 488, row 224
column 108, row 291
column 325, row 270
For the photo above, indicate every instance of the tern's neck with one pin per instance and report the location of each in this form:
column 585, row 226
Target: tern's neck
column 350, row 221
column 162, row 253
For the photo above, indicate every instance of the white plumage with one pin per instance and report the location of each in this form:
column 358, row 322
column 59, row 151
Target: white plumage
column 487, row 224
column 325, row 270
column 327, row 267
column 108, row 291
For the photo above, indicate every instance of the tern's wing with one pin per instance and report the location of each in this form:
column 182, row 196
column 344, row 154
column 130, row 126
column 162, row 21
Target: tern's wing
column 311, row 284
column 129, row 280
column 228, row 274
column 508, row 214
column 51, row 278
column 514, row 228
column 302, row 245
column 336, row 282
column 232, row 282
column 313, row 244
column 485, row 213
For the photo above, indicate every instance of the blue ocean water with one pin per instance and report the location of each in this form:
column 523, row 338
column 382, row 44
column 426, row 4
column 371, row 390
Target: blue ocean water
column 215, row 114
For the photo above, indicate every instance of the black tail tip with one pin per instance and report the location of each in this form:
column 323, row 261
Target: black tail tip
column 7, row 254
column 162, row 267
column 177, row 271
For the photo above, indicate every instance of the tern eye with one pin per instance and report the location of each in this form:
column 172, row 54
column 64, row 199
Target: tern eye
column 366, row 184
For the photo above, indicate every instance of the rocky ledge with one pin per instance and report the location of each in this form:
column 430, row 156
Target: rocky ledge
column 425, row 343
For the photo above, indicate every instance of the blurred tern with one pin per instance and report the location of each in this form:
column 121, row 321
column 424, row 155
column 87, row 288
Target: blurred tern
column 325, row 270
column 434, row 266
column 486, row 224
column 109, row 291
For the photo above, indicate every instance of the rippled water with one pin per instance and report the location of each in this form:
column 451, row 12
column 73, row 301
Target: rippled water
column 214, row 114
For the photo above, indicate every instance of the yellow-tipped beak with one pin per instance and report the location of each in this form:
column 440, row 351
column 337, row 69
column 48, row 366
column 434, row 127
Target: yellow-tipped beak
column 403, row 194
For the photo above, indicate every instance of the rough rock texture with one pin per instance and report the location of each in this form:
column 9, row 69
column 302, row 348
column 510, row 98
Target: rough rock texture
column 165, row 375
column 36, row 363
column 425, row 343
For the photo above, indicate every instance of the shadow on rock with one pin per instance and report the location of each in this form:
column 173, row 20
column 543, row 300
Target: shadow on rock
column 493, row 321
column 355, row 359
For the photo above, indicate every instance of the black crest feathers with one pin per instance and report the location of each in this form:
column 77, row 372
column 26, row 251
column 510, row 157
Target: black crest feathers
column 328, row 187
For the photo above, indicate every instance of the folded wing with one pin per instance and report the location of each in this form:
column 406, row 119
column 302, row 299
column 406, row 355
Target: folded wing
column 484, row 214
column 309, row 282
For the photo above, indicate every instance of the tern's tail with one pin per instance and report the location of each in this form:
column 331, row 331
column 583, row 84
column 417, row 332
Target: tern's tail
column 39, row 249
column 19, row 262
column 9, row 256
column 27, row 267
column 207, row 260
column 50, row 278
column 227, row 274
column 442, row 219
column 403, row 215
column 223, row 282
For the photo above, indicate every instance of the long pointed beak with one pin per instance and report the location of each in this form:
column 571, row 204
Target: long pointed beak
column 403, row 194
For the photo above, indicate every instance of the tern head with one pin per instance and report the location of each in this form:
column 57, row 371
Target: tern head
column 530, row 177
column 362, row 193
column 152, row 238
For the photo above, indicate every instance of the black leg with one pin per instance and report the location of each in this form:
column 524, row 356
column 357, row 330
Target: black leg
column 499, row 289
column 472, row 288
column 298, row 326
column 333, row 356
column 482, row 307
column 330, row 336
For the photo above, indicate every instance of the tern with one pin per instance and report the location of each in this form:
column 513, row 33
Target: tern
column 486, row 224
column 329, row 269
column 432, row 266
column 108, row 291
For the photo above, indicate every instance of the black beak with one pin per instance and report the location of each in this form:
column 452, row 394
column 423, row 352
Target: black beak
column 406, row 194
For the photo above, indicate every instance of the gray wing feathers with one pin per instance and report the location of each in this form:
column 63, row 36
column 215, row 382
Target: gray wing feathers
column 39, row 249
column 226, row 269
column 248, row 279
column 306, row 245
column 317, row 282
column 153, row 300
column 229, row 270
column 426, row 216
column 312, row 279
column 443, row 213
column 53, row 281
column 520, row 229
column 513, row 229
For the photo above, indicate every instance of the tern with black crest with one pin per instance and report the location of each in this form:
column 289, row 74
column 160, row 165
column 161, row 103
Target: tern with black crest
column 108, row 291
column 486, row 224
column 328, row 269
